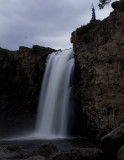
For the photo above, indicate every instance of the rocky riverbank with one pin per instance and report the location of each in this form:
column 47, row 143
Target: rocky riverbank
column 111, row 148
column 99, row 51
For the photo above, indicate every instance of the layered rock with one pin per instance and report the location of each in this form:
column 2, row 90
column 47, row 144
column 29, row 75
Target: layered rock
column 21, row 74
column 99, row 50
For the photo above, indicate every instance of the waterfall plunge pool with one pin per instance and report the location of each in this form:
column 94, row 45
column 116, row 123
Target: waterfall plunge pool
column 30, row 145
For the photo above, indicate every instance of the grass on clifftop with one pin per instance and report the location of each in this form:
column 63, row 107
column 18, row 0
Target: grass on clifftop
column 86, row 32
column 2, row 51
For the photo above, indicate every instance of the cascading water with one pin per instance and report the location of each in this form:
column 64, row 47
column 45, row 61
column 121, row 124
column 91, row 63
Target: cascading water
column 53, row 110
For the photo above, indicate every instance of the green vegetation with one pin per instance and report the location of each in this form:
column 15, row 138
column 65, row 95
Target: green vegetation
column 83, row 29
column 84, row 33
column 19, row 79
column 102, row 3
column 38, row 70
column 32, row 89
column 86, row 38
column 87, row 32
column 3, row 51
column 36, row 49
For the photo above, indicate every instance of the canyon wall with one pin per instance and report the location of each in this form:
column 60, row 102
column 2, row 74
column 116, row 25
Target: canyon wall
column 99, row 51
column 21, row 74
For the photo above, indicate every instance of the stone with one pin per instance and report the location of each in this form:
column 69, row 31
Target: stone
column 78, row 154
column 121, row 153
column 38, row 157
column 111, row 142
column 9, row 152
column 45, row 150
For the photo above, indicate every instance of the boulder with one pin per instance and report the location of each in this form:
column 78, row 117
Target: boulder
column 78, row 154
column 111, row 142
column 38, row 157
column 45, row 150
column 121, row 153
column 9, row 152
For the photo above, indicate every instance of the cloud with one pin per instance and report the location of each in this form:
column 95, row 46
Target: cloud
column 43, row 22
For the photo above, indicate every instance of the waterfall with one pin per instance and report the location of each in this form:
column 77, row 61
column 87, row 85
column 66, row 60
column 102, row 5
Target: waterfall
column 54, row 101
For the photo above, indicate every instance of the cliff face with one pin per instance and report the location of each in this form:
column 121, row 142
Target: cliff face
column 21, row 74
column 99, row 50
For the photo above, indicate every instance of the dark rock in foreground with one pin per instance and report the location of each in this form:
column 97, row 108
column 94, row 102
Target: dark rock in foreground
column 45, row 150
column 111, row 142
column 78, row 154
column 121, row 153
column 15, row 153
column 35, row 158
column 10, row 152
column 112, row 147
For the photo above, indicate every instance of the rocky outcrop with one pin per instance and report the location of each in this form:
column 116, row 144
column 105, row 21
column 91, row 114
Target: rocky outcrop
column 112, row 142
column 118, row 5
column 45, row 150
column 10, row 152
column 121, row 153
column 21, row 74
column 99, row 50
column 15, row 153
column 78, row 154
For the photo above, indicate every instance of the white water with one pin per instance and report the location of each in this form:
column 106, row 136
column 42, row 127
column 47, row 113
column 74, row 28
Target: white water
column 54, row 102
column 53, row 109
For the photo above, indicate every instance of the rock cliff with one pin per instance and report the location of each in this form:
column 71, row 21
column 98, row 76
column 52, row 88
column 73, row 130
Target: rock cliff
column 21, row 74
column 99, row 51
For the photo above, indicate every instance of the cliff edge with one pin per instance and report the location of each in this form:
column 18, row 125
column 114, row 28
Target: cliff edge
column 99, row 51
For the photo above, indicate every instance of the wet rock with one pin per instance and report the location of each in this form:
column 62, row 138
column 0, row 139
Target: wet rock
column 113, row 141
column 9, row 152
column 78, row 154
column 38, row 157
column 121, row 153
column 45, row 150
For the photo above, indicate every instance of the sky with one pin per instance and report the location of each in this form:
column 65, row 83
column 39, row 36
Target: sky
column 46, row 23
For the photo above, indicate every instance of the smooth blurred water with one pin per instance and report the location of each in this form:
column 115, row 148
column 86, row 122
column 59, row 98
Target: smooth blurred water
column 54, row 103
column 29, row 145
column 53, row 109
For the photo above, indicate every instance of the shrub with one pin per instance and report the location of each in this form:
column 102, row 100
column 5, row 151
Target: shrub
column 84, row 33
column 2, row 51
column 36, row 49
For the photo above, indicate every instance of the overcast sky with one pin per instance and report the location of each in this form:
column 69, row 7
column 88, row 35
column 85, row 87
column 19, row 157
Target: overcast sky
column 44, row 22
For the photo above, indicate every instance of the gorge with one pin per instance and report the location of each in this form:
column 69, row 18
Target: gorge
column 98, row 88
